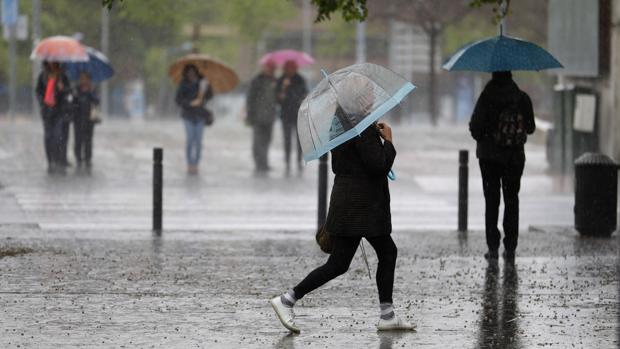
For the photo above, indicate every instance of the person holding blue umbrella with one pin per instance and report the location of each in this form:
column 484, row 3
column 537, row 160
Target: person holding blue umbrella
column 341, row 115
column 84, row 121
column 97, row 69
column 501, row 121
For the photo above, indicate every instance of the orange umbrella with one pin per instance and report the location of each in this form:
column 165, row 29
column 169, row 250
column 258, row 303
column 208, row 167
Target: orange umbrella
column 59, row 49
column 221, row 77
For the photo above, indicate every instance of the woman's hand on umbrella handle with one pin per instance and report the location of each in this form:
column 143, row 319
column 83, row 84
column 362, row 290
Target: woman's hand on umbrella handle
column 385, row 131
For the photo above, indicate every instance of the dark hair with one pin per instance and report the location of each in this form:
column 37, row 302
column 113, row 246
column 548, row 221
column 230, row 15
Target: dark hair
column 502, row 75
column 189, row 67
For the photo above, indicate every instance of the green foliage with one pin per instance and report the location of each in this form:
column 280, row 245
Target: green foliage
column 252, row 18
column 498, row 12
column 351, row 10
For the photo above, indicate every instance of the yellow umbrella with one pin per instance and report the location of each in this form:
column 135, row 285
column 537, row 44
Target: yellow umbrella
column 221, row 77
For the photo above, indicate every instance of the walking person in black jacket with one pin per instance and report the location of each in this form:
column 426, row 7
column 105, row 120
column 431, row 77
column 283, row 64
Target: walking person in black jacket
column 502, row 119
column 291, row 91
column 359, row 208
column 52, row 90
column 84, row 125
column 261, row 110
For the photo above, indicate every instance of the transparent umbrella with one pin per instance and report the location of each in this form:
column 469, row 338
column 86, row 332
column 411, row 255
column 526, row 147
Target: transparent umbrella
column 345, row 103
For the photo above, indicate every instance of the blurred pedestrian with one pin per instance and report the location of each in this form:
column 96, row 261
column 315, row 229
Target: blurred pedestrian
column 192, row 94
column 502, row 119
column 291, row 91
column 52, row 90
column 84, row 122
column 359, row 208
column 261, row 113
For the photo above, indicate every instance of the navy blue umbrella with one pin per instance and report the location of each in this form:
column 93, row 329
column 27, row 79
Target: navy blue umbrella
column 501, row 53
column 97, row 67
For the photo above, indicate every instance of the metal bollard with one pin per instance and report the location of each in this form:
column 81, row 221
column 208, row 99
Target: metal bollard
column 158, row 181
column 322, row 190
column 463, row 188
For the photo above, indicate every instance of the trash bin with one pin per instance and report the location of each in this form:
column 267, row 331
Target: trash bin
column 596, row 194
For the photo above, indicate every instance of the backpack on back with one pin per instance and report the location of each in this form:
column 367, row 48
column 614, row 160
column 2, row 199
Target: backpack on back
column 510, row 130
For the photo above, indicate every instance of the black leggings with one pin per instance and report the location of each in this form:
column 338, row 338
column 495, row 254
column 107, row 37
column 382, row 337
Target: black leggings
column 338, row 263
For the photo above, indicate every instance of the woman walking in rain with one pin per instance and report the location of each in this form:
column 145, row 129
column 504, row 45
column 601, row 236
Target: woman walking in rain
column 359, row 206
column 193, row 92
column 501, row 121
column 84, row 123
column 51, row 91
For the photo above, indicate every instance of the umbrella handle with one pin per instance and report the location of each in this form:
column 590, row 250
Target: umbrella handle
column 392, row 175
column 324, row 73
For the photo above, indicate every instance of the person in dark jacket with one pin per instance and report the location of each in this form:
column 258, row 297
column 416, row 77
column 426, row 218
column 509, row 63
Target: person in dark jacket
column 291, row 91
column 193, row 92
column 501, row 164
column 261, row 109
column 359, row 208
column 83, row 124
column 52, row 90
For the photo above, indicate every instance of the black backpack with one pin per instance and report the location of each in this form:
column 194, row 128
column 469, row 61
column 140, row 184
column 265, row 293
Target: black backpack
column 510, row 130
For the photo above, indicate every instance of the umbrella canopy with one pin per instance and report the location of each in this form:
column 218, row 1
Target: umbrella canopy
column 282, row 56
column 345, row 103
column 501, row 53
column 221, row 77
column 98, row 67
column 59, row 49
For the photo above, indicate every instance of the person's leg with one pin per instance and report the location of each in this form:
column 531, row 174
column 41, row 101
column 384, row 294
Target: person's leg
column 88, row 142
column 78, row 140
column 48, row 137
column 199, row 127
column 256, row 133
column 300, row 155
column 511, row 184
column 57, row 141
column 263, row 146
column 287, row 130
column 386, row 253
column 188, row 140
column 267, row 145
column 491, row 172
column 64, row 143
column 337, row 264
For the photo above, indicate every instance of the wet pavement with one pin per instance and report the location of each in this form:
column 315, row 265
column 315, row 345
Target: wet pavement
column 81, row 270
column 191, row 289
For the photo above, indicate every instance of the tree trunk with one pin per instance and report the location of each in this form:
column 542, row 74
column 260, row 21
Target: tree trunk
column 432, row 76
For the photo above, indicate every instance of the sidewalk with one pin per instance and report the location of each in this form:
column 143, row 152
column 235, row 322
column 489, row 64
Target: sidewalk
column 80, row 268
column 190, row 289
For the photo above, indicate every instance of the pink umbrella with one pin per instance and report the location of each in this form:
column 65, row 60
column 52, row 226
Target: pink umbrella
column 282, row 56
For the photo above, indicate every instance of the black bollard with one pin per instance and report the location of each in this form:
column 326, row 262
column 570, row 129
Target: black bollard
column 158, row 181
column 463, row 188
column 322, row 190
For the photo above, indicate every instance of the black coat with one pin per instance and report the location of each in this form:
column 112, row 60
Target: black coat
column 63, row 105
column 186, row 93
column 497, row 95
column 360, row 199
column 84, row 101
column 261, row 100
column 292, row 97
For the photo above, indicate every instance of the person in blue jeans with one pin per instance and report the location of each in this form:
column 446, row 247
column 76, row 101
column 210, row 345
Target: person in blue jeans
column 192, row 94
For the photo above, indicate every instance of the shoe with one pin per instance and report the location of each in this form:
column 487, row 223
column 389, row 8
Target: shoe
column 394, row 324
column 491, row 255
column 509, row 256
column 285, row 314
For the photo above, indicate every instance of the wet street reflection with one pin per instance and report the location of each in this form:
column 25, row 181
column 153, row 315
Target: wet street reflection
column 499, row 317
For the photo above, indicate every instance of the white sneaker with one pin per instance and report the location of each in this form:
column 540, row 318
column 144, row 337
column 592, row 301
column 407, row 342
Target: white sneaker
column 395, row 324
column 285, row 314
